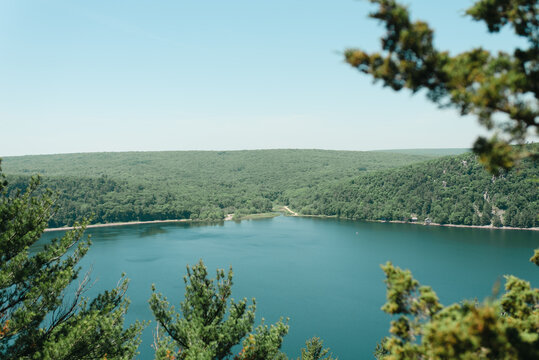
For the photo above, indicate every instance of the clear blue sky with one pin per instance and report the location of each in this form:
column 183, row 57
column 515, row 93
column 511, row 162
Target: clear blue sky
column 87, row 76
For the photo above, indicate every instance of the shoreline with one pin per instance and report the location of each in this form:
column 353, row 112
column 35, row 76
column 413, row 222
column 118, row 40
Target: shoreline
column 289, row 213
column 64, row 228
column 228, row 217
column 485, row 227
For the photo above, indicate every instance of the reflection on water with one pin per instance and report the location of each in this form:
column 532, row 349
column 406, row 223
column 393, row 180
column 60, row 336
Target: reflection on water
column 143, row 259
column 152, row 232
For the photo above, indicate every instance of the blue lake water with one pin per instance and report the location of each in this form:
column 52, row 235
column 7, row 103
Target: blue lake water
column 324, row 274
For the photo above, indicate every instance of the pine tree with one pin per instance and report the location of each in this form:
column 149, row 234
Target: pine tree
column 43, row 313
column 475, row 82
column 202, row 331
column 499, row 328
column 314, row 351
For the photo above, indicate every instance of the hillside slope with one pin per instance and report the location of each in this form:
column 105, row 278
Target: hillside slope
column 187, row 184
column 450, row 190
column 118, row 187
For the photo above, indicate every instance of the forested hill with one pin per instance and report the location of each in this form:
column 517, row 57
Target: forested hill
column 208, row 184
column 132, row 186
column 454, row 189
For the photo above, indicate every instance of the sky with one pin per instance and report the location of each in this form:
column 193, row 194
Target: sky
column 111, row 75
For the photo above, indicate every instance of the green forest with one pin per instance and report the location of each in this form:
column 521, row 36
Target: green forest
column 449, row 190
column 401, row 185
column 197, row 185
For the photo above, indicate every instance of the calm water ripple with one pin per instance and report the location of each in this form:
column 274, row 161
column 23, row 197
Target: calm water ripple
column 322, row 273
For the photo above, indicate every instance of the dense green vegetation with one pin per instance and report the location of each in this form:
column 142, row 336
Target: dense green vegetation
column 117, row 187
column 187, row 185
column 505, row 327
column 44, row 313
column 454, row 190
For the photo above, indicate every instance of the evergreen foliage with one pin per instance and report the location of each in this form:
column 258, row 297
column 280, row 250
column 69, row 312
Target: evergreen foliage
column 202, row 332
column 535, row 258
column 503, row 328
column 314, row 351
column 475, row 82
column 210, row 324
column 43, row 314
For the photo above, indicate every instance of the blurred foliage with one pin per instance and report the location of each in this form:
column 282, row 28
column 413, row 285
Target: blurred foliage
column 500, row 89
column 314, row 350
column 499, row 328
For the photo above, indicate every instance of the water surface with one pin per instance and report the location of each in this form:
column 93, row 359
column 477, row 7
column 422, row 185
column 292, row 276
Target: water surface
column 324, row 274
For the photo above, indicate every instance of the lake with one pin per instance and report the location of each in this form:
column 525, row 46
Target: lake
column 324, row 274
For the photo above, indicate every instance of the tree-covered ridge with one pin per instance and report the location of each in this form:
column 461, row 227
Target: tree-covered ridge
column 197, row 164
column 187, row 184
column 118, row 187
column 455, row 190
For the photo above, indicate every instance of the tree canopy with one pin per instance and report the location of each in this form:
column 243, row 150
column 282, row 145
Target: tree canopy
column 118, row 187
column 198, row 185
column 498, row 328
column 451, row 190
column 500, row 89
column 43, row 313
column 211, row 324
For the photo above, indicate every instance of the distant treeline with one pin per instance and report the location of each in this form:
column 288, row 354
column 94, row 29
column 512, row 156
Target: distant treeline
column 199, row 185
column 450, row 190
column 118, row 187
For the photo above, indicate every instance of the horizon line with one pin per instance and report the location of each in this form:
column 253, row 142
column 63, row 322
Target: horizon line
column 233, row 150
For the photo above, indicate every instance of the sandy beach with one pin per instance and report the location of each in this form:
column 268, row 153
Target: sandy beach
column 293, row 213
column 119, row 224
